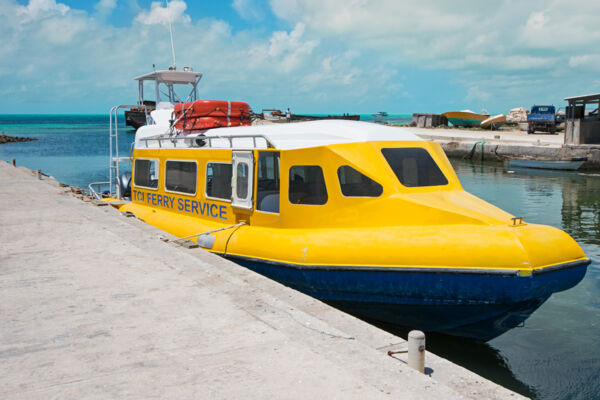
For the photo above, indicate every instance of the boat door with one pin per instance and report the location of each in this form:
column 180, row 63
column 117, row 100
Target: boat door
column 242, row 179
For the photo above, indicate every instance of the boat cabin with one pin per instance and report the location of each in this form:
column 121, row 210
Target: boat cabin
column 165, row 84
column 290, row 175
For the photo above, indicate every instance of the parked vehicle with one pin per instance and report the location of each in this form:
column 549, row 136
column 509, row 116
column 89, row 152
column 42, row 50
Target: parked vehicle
column 542, row 118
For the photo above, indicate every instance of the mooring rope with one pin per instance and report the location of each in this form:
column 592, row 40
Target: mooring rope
column 208, row 232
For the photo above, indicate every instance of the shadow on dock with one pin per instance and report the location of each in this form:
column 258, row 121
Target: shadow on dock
column 478, row 357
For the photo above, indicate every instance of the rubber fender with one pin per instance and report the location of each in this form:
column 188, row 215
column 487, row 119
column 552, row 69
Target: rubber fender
column 125, row 184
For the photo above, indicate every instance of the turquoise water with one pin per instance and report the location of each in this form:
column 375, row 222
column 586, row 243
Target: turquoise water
column 556, row 355
column 72, row 148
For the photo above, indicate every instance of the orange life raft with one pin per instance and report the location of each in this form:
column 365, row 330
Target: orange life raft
column 206, row 114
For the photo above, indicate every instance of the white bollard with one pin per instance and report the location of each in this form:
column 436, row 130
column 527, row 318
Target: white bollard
column 416, row 350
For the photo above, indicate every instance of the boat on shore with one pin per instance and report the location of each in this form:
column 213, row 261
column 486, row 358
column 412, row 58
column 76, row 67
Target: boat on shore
column 494, row 122
column 368, row 218
column 466, row 118
column 565, row 164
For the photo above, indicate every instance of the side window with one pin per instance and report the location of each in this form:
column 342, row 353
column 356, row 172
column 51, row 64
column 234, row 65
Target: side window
column 145, row 173
column 355, row 184
column 181, row 176
column 307, row 185
column 242, row 181
column 267, row 191
column 414, row 167
column 218, row 180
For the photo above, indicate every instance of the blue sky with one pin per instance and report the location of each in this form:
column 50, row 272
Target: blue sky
column 314, row 56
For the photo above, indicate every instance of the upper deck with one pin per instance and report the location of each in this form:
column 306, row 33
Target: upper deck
column 278, row 136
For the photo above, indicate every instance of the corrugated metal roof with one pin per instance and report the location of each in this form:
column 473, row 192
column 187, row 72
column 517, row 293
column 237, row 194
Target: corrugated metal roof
column 584, row 97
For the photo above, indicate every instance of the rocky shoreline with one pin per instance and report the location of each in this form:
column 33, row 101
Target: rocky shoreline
column 11, row 139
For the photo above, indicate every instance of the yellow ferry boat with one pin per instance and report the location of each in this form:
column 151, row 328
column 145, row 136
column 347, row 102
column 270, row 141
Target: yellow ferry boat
column 369, row 218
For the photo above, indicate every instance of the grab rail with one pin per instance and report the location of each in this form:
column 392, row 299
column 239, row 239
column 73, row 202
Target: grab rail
column 113, row 134
column 209, row 139
column 95, row 189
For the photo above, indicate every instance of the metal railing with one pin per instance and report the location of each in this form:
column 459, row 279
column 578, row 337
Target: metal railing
column 114, row 189
column 95, row 189
column 208, row 139
column 114, row 159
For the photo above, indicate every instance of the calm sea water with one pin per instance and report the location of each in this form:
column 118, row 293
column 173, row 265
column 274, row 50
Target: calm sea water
column 556, row 355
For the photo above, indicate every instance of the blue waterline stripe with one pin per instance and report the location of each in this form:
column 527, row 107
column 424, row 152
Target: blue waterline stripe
column 427, row 270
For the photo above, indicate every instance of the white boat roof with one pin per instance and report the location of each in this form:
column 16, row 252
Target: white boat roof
column 299, row 135
column 171, row 76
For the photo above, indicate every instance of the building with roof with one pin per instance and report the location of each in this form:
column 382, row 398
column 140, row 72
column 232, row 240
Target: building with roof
column 583, row 120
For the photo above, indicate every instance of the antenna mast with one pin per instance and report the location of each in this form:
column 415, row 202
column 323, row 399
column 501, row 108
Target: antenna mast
column 171, row 33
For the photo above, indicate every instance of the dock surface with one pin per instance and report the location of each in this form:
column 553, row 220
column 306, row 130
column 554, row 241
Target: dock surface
column 94, row 305
column 501, row 144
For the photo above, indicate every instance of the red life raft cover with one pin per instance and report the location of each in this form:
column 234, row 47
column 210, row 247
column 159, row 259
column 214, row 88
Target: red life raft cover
column 199, row 123
column 212, row 108
column 207, row 114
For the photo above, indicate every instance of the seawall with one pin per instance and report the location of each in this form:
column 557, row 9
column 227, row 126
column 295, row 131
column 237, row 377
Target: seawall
column 505, row 143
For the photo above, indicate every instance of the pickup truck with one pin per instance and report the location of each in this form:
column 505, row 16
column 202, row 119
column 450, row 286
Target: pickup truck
column 542, row 118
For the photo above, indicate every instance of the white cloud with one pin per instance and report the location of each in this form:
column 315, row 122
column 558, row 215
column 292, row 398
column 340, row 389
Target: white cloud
column 40, row 8
column 105, row 7
column 248, row 10
column 326, row 54
column 174, row 11
column 66, row 56
column 471, row 39
column 476, row 94
column 590, row 61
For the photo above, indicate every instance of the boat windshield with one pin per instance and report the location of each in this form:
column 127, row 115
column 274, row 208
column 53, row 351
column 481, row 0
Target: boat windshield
column 414, row 167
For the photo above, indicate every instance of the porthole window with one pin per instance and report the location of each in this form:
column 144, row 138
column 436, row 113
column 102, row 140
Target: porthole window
column 145, row 173
column 218, row 180
column 181, row 176
column 356, row 184
column 414, row 167
column 307, row 185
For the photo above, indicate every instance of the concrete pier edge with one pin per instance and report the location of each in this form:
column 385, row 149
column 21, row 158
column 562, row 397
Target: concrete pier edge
column 457, row 143
column 94, row 305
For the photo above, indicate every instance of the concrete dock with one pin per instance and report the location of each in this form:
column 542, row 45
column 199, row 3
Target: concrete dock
column 508, row 143
column 94, row 305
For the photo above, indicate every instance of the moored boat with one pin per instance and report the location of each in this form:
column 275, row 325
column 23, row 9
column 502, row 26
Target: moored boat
column 465, row 118
column 369, row 218
column 568, row 164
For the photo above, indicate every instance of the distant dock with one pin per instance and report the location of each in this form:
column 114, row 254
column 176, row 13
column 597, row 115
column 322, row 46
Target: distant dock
column 500, row 144
column 95, row 305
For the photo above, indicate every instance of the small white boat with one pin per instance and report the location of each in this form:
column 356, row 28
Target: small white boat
column 494, row 122
column 571, row 164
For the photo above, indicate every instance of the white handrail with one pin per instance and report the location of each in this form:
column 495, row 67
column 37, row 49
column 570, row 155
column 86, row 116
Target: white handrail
column 209, row 139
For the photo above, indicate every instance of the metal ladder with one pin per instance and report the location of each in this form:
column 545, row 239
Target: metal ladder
column 114, row 150
column 114, row 189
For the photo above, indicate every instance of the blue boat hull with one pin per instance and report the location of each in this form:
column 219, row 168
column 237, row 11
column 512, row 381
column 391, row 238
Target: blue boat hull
column 568, row 165
column 474, row 304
